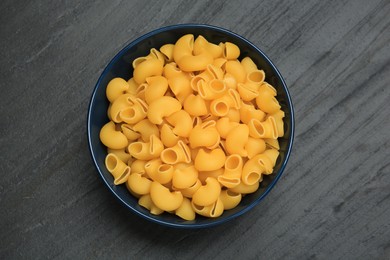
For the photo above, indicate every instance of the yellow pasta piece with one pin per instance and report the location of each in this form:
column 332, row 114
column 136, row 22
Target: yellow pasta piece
column 207, row 194
column 219, row 62
column 189, row 192
column 138, row 184
column 184, row 177
column 230, row 199
column 134, row 113
column 265, row 161
column 202, row 45
column 159, row 171
column 115, row 88
column 266, row 87
column 156, row 88
column 212, row 90
column 231, row 51
column 129, row 132
column 236, row 140
column 185, row 211
column 272, row 143
column 230, row 81
column 248, row 65
column 251, row 172
column 168, row 137
column 224, row 126
column 165, row 199
column 205, row 135
column 255, row 146
column 180, row 86
column 248, row 112
column 111, row 138
column 248, row 92
column 155, row 54
column 171, row 70
column 121, row 102
column 162, row 107
column 177, row 153
column 278, row 116
column 234, row 68
column 203, row 175
column 145, row 128
column 234, row 115
column 267, row 102
column 245, row 189
column 195, row 105
column 146, row 202
column 147, row 68
column 265, row 129
column 146, row 151
column 273, row 155
column 210, row 160
column 182, row 123
column 138, row 166
column 121, row 154
column 167, row 50
column 132, row 87
column 232, row 173
column 255, row 77
column 212, row 211
column 119, row 170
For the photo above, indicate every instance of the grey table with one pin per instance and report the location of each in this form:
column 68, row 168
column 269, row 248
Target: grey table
column 333, row 201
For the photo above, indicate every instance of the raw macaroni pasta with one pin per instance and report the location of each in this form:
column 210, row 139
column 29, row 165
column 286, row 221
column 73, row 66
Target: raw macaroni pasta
column 194, row 129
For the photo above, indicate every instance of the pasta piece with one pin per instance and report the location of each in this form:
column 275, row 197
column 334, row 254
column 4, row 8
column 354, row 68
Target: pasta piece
column 208, row 193
column 232, row 173
column 272, row 143
column 189, row 192
column 266, row 87
column 224, row 126
column 248, row 65
column 146, row 129
column 159, row 171
column 121, row 154
column 163, row 198
column 248, row 112
column 167, row 50
column 168, row 137
column 177, row 153
column 237, row 139
column 205, row 135
column 234, row 115
column 230, row 81
column 156, row 55
column 265, row 162
column 245, row 189
column 266, row 102
column 212, row 90
column 278, row 116
column 184, row 177
column 119, row 170
column 171, row 70
column 273, row 155
column 234, row 68
column 115, row 88
column 213, row 211
column 182, row 123
column 203, row 175
column 255, row 77
column 255, row 146
column 138, row 166
column 202, row 45
column 147, row 68
column 111, row 138
column 121, row 102
column 209, row 160
column 231, row 51
column 248, row 92
column 134, row 113
column 146, row 202
column 265, row 129
column 195, row 105
column 132, row 87
column 129, row 132
column 185, row 211
column 162, row 107
column 251, row 172
column 230, row 199
column 138, row 184
column 157, row 87
column 180, row 86
column 146, row 151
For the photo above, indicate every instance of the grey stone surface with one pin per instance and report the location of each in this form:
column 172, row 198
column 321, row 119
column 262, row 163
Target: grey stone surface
column 333, row 201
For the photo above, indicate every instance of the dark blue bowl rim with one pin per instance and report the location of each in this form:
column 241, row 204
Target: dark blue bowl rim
column 217, row 220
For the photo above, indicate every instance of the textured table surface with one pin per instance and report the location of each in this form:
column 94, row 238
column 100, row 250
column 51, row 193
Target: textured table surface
column 332, row 202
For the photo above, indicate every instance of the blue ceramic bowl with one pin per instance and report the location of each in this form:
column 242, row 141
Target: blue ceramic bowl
column 120, row 66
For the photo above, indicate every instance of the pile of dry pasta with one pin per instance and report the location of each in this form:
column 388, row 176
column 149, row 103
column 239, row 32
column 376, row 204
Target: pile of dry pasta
column 193, row 130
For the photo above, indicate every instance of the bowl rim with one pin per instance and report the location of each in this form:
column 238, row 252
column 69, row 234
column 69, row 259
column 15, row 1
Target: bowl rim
column 217, row 221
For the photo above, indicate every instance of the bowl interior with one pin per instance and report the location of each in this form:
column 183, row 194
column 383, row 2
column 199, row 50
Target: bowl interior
column 120, row 66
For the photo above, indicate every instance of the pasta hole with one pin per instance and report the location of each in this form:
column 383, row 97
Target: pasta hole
column 111, row 162
column 123, row 177
column 256, row 76
column 199, row 208
column 135, row 147
column 252, row 178
column 222, row 108
column 259, row 127
column 128, row 113
column 217, row 86
column 169, row 156
column 231, row 193
column 164, row 168
column 232, row 163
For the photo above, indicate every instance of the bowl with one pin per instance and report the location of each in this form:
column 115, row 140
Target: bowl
column 120, row 66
